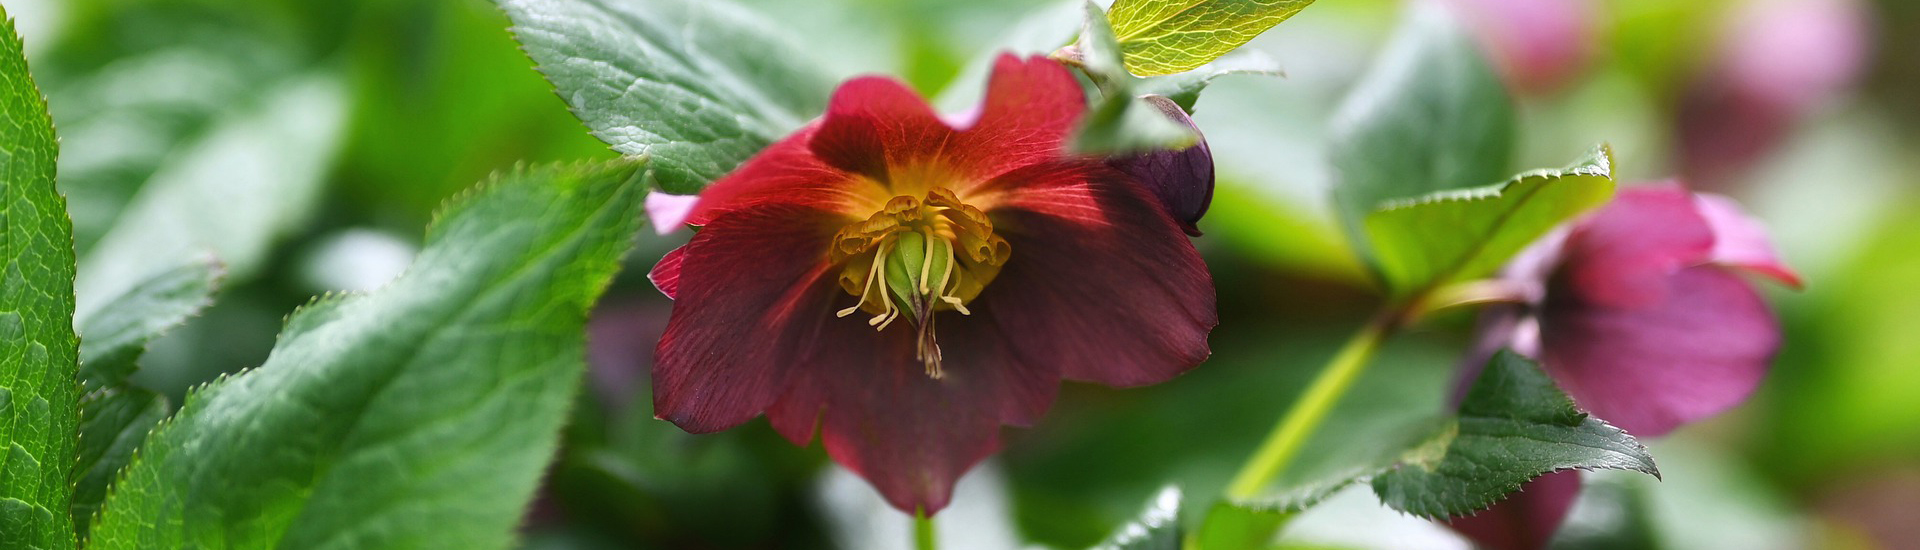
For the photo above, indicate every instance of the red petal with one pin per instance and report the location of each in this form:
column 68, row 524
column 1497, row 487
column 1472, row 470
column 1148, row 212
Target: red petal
column 874, row 123
column 1031, row 107
column 783, row 173
column 912, row 436
column 1649, row 368
column 1109, row 288
column 1525, row 520
column 875, row 126
column 1625, row 252
column 750, row 300
column 666, row 273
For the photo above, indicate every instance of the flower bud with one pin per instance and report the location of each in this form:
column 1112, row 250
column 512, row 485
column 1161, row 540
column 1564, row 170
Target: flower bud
column 1181, row 179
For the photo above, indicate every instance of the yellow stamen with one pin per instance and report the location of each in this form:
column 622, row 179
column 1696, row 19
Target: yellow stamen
column 901, row 245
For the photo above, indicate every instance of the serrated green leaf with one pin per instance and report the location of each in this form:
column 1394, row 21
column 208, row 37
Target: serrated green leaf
column 38, row 350
column 1120, row 122
column 695, row 87
column 115, row 416
column 250, row 181
column 114, row 422
column 1157, row 527
column 1430, row 115
column 419, row 415
column 1513, row 426
column 1163, row 37
column 116, row 334
column 1461, row 234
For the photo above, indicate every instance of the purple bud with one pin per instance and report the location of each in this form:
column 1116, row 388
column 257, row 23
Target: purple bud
column 1181, row 179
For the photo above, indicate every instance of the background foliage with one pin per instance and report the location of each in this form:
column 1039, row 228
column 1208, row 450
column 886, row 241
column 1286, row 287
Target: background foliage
column 306, row 143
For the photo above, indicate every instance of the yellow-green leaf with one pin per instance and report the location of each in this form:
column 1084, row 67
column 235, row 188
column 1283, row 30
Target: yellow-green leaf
column 1161, row 37
column 1461, row 234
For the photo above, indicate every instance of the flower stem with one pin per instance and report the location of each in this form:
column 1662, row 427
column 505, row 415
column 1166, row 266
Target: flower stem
column 923, row 533
column 1307, row 412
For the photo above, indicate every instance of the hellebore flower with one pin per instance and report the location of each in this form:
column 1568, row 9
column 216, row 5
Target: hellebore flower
column 1646, row 321
column 905, row 285
column 1643, row 317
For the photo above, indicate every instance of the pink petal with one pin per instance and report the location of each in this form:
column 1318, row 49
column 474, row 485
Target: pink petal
column 754, row 295
column 1625, row 252
column 1526, row 520
column 1109, row 288
column 1647, row 368
column 669, row 212
column 1740, row 241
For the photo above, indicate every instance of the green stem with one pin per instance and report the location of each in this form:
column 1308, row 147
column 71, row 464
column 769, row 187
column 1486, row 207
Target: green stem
column 1307, row 412
column 923, row 533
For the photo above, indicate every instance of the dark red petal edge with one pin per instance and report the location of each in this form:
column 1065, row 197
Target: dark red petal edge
column 752, row 293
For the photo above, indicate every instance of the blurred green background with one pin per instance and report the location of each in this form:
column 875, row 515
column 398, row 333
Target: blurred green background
column 322, row 134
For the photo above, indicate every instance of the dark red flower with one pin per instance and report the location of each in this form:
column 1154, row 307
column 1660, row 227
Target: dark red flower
column 905, row 286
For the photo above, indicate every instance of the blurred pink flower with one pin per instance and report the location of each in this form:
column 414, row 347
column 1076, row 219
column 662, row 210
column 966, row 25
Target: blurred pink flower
column 1539, row 46
column 1777, row 61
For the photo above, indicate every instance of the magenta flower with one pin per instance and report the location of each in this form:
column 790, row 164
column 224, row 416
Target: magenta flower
column 1643, row 315
column 1646, row 320
column 905, row 285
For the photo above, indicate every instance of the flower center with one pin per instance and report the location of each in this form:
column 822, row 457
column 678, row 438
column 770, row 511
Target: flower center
column 917, row 257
